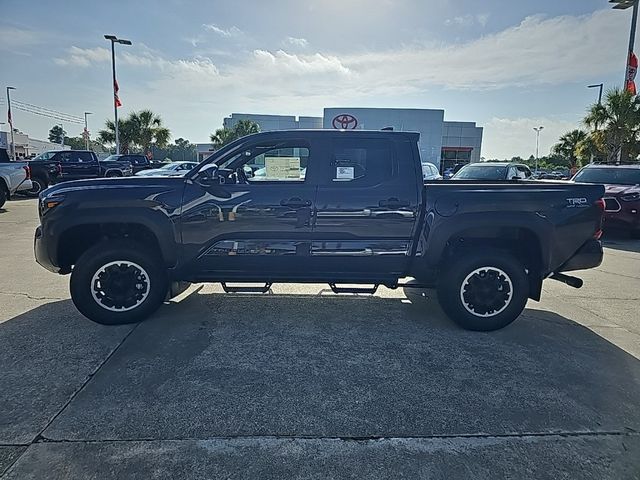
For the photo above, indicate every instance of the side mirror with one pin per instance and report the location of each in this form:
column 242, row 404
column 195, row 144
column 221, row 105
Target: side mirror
column 208, row 176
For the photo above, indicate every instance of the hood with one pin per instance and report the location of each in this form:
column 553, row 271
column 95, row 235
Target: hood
column 616, row 190
column 113, row 183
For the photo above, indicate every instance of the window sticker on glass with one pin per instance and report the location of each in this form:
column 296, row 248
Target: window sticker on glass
column 345, row 173
column 282, row 167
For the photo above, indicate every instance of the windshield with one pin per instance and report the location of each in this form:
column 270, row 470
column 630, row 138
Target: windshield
column 45, row 156
column 481, row 172
column 616, row 176
column 170, row 166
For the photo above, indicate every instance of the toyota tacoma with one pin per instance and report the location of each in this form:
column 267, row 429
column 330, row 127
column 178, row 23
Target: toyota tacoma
column 349, row 208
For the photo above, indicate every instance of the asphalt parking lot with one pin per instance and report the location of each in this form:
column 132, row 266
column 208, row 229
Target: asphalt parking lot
column 305, row 384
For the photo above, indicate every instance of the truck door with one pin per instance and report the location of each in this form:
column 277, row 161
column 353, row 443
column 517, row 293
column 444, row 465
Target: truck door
column 367, row 207
column 77, row 165
column 258, row 222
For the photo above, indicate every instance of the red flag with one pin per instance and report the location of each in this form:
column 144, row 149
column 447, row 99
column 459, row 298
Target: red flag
column 632, row 69
column 116, row 89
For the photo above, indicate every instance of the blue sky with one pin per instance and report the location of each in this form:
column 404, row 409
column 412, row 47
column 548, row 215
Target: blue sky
column 508, row 65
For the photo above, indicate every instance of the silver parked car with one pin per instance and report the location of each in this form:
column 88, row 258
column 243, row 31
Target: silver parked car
column 173, row 169
column 14, row 177
column 430, row 172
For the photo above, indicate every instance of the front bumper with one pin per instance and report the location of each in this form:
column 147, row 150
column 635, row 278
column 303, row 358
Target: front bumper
column 588, row 256
column 41, row 253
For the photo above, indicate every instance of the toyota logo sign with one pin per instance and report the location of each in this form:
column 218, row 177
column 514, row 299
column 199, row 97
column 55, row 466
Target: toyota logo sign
column 344, row 121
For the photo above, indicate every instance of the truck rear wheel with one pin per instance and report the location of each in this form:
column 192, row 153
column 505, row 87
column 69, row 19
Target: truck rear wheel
column 484, row 291
column 118, row 282
column 37, row 185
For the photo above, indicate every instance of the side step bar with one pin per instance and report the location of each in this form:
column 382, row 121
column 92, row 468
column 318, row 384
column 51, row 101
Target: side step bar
column 365, row 290
column 247, row 289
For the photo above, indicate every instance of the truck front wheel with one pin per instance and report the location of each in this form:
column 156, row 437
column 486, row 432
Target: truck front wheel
column 118, row 282
column 484, row 291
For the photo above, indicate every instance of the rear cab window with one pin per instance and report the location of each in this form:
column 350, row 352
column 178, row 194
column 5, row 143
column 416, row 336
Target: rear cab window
column 361, row 161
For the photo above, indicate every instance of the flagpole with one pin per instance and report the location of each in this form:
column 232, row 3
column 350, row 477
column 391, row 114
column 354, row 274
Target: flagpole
column 115, row 104
column 13, row 145
column 632, row 41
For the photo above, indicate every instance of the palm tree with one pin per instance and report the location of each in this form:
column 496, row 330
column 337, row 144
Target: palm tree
column 567, row 147
column 126, row 133
column 246, row 127
column 619, row 119
column 139, row 129
column 149, row 129
column 224, row 135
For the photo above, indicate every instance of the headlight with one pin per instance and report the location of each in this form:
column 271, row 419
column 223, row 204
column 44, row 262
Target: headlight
column 630, row 197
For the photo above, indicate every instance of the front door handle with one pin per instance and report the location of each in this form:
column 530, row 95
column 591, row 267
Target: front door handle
column 393, row 203
column 295, row 202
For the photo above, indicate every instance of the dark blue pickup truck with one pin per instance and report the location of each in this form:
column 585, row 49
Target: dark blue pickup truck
column 341, row 207
column 62, row 165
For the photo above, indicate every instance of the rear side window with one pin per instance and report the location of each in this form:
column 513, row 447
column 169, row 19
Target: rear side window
column 363, row 161
column 85, row 156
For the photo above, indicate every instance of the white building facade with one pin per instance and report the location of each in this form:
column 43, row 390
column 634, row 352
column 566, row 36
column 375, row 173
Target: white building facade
column 443, row 143
column 26, row 146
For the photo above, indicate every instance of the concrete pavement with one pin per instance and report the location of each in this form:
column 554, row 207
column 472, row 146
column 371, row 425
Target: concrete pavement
column 305, row 384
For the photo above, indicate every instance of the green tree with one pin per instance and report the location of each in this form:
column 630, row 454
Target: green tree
column 76, row 143
column 182, row 150
column 148, row 129
column 619, row 120
column 224, row 135
column 125, row 133
column 56, row 134
column 136, row 132
column 567, row 148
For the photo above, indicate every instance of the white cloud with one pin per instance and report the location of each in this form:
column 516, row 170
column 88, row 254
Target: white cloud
column 468, row 20
column 223, row 32
column 508, row 137
column 282, row 62
column 12, row 38
column 84, row 57
column 297, row 42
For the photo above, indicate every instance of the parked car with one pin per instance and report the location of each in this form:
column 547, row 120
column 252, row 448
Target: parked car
column 622, row 193
column 14, row 177
column 430, row 172
column 168, row 170
column 138, row 161
column 493, row 171
column 52, row 167
column 361, row 215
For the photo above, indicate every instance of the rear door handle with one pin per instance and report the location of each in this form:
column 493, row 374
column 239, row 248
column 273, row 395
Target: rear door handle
column 295, row 202
column 393, row 203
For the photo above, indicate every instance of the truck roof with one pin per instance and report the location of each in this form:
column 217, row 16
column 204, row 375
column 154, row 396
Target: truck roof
column 297, row 133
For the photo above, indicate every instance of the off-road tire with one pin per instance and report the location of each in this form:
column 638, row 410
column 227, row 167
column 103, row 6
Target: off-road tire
column 88, row 293
column 483, row 291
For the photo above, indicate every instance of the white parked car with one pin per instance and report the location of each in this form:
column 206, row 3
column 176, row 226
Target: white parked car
column 173, row 169
column 430, row 172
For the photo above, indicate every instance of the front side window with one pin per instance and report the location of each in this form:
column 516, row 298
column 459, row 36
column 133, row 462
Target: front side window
column 365, row 161
column 274, row 162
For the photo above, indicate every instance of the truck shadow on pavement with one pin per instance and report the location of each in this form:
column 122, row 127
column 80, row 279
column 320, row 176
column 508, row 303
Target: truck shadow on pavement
column 620, row 240
column 219, row 365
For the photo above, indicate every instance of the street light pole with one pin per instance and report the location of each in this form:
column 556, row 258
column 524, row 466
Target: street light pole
column 86, row 131
column 600, row 86
column 537, row 130
column 113, row 39
column 13, row 145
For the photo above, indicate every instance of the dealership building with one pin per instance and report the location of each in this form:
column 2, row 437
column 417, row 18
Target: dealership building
column 443, row 143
